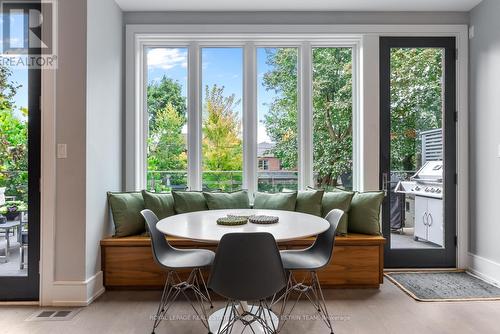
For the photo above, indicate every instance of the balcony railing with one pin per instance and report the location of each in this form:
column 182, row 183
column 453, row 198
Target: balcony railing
column 270, row 181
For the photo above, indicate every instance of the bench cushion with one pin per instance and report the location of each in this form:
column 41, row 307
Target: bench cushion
column 126, row 208
column 277, row 201
column 189, row 201
column 338, row 200
column 309, row 201
column 364, row 214
column 162, row 204
column 234, row 200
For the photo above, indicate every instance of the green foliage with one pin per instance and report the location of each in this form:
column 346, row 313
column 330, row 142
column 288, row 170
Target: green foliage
column 167, row 149
column 222, row 146
column 162, row 93
column 13, row 140
column 166, row 143
column 281, row 119
column 416, row 102
column 332, row 104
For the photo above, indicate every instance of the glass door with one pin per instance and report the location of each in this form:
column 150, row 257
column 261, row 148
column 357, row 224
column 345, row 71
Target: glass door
column 418, row 149
column 19, row 157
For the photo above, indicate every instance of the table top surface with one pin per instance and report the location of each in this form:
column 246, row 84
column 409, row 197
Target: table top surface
column 10, row 223
column 202, row 225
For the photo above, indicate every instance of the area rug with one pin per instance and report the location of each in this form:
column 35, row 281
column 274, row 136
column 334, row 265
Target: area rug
column 441, row 286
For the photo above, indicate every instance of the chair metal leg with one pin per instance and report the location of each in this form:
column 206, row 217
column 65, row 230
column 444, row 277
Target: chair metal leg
column 258, row 314
column 174, row 286
column 313, row 293
column 321, row 301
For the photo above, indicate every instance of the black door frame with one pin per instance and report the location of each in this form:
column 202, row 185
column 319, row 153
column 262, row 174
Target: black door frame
column 417, row 258
column 27, row 288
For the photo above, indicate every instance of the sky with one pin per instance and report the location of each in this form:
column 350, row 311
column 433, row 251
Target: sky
column 19, row 76
column 220, row 66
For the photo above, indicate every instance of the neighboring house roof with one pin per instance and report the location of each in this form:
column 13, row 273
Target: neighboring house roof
column 264, row 150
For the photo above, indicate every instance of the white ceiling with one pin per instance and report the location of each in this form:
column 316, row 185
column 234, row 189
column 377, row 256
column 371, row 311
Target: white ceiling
column 297, row 5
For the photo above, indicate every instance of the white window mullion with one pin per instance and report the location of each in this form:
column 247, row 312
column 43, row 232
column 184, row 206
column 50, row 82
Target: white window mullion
column 250, row 118
column 194, row 118
column 305, row 117
column 142, row 121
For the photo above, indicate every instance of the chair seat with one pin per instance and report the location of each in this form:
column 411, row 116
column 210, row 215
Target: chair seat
column 302, row 260
column 187, row 258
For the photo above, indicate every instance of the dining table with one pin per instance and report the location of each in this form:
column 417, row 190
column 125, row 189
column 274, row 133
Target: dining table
column 201, row 226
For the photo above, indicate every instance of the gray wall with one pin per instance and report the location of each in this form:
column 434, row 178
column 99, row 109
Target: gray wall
column 70, row 129
column 104, row 120
column 485, row 131
column 296, row 18
column 89, row 120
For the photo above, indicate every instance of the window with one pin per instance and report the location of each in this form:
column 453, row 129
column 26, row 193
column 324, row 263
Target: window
column 167, row 119
column 263, row 164
column 222, row 142
column 332, row 117
column 277, row 129
column 230, row 115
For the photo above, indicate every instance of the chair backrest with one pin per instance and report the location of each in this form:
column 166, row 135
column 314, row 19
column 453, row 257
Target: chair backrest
column 247, row 266
column 159, row 244
column 323, row 246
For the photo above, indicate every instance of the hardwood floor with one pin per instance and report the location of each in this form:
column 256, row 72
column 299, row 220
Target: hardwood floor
column 387, row 310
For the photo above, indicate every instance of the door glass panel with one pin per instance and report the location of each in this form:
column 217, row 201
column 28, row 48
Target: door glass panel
column 332, row 118
column 13, row 171
column 416, row 148
column 222, row 141
column 167, row 119
column 277, row 151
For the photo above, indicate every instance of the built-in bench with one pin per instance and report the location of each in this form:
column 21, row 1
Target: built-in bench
column 358, row 261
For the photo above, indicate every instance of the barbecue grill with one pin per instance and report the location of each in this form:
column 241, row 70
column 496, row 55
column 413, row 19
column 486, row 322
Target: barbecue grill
column 427, row 188
column 427, row 182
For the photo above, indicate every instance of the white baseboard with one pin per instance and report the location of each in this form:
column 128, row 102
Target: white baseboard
column 485, row 269
column 76, row 293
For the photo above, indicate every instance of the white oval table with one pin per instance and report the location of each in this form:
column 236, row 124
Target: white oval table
column 202, row 226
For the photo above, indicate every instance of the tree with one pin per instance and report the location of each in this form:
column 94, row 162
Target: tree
column 13, row 139
column 167, row 155
column 222, row 144
column 167, row 149
column 332, row 104
column 162, row 93
column 416, row 102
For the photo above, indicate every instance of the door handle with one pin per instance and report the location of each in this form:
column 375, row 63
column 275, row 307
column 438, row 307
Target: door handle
column 424, row 218
column 385, row 181
column 431, row 219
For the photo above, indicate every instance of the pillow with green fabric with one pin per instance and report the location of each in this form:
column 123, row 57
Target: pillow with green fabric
column 338, row 199
column 189, row 201
column 126, row 209
column 309, row 201
column 278, row 201
column 364, row 215
column 162, row 204
column 234, row 200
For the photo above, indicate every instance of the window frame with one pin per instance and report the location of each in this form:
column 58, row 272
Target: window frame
column 249, row 44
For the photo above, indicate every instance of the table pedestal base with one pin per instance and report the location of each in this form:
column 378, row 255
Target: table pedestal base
column 217, row 317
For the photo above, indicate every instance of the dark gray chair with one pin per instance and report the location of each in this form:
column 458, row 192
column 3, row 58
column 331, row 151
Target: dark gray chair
column 311, row 259
column 172, row 259
column 247, row 267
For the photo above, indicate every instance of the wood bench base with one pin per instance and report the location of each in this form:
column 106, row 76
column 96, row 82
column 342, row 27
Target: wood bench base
column 358, row 261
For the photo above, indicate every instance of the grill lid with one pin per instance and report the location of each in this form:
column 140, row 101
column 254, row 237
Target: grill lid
column 431, row 171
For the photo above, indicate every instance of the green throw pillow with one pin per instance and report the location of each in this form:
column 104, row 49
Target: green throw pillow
column 338, row 200
column 364, row 215
column 162, row 204
column 126, row 210
column 189, row 201
column 279, row 201
column 235, row 200
column 309, row 201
